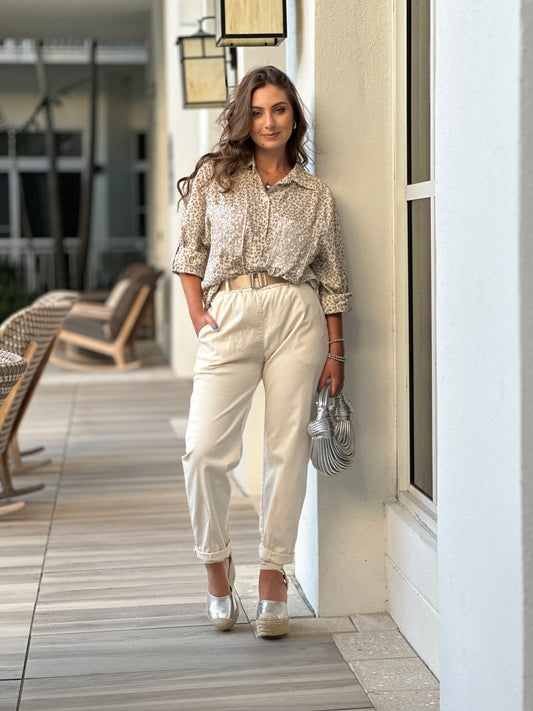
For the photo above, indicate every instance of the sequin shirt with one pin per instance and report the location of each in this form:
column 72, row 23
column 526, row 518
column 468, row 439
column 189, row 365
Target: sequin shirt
column 290, row 232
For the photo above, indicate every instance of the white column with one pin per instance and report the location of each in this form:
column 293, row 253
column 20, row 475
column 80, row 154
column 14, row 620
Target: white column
column 190, row 134
column 526, row 338
column 479, row 417
column 351, row 68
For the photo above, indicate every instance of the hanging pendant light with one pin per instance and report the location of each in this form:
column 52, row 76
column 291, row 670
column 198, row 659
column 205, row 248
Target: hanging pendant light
column 249, row 23
column 203, row 68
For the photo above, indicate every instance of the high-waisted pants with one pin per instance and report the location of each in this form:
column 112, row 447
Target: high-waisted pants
column 278, row 334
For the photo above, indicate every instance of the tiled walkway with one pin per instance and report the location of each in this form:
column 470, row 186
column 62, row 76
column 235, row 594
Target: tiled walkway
column 102, row 602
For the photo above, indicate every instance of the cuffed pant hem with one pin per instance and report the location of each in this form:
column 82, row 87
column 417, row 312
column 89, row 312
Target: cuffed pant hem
column 273, row 557
column 216, row 557
column 267, row 565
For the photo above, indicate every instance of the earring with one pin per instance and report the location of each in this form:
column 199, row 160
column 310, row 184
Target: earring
column 294, row 127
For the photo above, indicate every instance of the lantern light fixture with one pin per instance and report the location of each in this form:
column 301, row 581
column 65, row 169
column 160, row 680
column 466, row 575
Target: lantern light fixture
column 203, row 69
column 250, row 23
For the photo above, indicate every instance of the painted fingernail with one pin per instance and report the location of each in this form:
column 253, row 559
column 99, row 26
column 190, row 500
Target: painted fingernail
column 215, row 327
column 318, row 390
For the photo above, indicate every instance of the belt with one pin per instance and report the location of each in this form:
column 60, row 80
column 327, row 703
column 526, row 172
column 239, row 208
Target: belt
column 256, row 280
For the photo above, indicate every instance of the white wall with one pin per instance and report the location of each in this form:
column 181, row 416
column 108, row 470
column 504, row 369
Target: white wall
column 351, row 63
column 191, row 132
column 526, row 318
column 478, row 354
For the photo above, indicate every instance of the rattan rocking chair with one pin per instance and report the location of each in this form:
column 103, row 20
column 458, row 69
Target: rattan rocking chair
column 15, row 454
column 12, row 367
column 28, row 333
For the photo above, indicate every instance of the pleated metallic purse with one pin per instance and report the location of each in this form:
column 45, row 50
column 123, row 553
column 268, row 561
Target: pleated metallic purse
column 332, row 434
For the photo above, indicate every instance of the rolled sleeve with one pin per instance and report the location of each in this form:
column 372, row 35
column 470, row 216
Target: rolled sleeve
column 192, row 253
column 329, row 264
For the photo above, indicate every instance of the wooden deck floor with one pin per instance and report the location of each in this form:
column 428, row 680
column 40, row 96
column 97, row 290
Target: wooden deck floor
column 101, row 599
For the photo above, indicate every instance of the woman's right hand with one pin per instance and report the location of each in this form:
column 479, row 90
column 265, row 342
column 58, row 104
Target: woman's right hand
column 192, row 288
column 201, row 319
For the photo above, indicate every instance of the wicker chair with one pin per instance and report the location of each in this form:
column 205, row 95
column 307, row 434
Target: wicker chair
column 83, row 341
column 12, row 367
column 28, row 333
column 15, row 454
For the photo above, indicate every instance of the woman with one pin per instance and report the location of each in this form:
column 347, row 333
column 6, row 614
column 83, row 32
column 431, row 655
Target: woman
column 262, row 267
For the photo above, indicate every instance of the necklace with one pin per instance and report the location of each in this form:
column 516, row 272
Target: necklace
column 271, row 177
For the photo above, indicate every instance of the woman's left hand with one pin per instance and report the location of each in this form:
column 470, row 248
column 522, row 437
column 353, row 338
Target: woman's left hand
column 334, row 371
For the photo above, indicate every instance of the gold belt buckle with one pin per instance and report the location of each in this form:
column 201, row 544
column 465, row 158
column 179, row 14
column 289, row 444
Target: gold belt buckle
column 258, row 280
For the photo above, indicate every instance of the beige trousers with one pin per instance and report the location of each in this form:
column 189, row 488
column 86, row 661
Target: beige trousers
column 277, row 334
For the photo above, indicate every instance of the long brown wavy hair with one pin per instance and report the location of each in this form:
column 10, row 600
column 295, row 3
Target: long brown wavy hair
column 235, row 148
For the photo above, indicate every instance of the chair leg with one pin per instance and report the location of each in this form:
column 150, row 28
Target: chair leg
column 8, row 490
column 17, row 467
column 33, row 450
column 11, row 508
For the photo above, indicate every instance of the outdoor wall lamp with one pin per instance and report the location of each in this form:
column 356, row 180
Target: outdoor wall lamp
column 203, row 68
column 248, row 23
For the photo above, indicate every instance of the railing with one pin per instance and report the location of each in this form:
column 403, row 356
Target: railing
column 36, row 260
column 71, row 50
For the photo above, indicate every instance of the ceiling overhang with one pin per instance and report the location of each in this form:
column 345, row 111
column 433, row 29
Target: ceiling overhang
column 75, row 18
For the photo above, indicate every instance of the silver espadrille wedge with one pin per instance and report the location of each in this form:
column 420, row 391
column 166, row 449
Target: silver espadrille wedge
column 272, row 616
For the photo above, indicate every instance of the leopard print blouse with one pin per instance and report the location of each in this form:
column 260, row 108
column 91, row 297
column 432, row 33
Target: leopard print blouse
column 291, row 231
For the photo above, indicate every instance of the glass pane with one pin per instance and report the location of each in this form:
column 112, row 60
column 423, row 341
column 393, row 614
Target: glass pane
column 4, row 205
column 141, row 146
column 68, row 143
column 30, row 144
column 70, row 186
column 420, row 350
column 4, row 150
column 36, row 200
column 418, row 91
column 211, row 49
column 141, row 180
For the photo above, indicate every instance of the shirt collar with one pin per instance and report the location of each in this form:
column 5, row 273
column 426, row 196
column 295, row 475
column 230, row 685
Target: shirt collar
column 298, row 174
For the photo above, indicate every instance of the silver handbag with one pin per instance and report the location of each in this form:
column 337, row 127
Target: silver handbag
column 332, row 434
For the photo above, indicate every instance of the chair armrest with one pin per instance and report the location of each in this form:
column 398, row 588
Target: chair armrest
column 101, row 312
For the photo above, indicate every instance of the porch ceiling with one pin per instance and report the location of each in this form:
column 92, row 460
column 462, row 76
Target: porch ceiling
column 75, row 18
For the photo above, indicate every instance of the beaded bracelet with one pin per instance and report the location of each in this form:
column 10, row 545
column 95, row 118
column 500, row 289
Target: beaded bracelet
column 335, row 357
column 337, row 340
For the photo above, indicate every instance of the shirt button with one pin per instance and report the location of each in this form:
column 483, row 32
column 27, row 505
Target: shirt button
column 265, row 199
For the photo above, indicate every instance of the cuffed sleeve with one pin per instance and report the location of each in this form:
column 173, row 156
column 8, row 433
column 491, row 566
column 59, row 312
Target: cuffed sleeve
column 329, row 264
column 192, row 253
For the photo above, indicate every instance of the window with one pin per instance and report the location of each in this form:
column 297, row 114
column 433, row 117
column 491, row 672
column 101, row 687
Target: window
column 415, row 246
column 36, row 200
column 140, row 184
column 32, row 143
column 4, row 205
column 420, row 202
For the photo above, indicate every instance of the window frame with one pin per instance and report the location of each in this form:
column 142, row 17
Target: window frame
column 419, row 503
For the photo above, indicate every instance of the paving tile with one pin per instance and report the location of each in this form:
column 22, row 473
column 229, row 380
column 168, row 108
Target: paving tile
column 394, row 675
column 12, row 655
column 165, row 691
column 303, row 626
column 9, row 691
column 307, row 676
column 373, row 621
column 406, row 701
column 373, row 645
